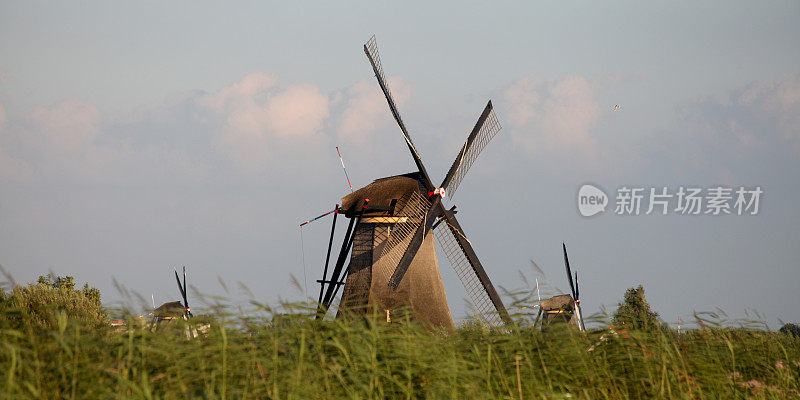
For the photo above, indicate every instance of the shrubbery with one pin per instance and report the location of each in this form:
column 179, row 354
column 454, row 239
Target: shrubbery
column 634, row 312
column 791, row 330
column 39, row 305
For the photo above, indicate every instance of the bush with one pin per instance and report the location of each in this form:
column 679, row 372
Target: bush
column 38, row 305
column 634, row 312
column 791, row 330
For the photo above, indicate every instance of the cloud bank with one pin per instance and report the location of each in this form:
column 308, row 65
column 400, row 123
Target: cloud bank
column 760, row 115
column 256, row 116
column 548, row 114
column 366, row 109
column 259, row 123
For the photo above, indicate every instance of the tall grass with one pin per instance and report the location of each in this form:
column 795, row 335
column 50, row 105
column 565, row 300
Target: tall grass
column 244, row 355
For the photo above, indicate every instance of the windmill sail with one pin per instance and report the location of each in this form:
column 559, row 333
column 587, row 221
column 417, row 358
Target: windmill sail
column 476, row 287
column 575, row 293
column 404, row 234
column 483, row 132
column 371, row 50
column 182, row 288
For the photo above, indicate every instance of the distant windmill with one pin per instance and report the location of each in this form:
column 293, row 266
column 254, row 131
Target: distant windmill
column 175, row 309
column 393, row 270
column 565, row 307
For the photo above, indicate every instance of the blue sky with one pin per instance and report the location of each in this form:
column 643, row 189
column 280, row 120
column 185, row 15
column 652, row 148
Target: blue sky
column 138, row 137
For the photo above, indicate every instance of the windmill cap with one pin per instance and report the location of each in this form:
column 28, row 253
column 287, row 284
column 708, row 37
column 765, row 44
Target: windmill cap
column 380, row 193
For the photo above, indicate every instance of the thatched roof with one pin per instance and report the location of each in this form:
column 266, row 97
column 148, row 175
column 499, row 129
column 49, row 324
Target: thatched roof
column 381, row 192
column 560, row 302
column 172, row 309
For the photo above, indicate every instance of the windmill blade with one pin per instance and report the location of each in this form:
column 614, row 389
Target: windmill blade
column 403, row 244
column 569, row 273
column 186, row 295
column 413, row 246
column 483, row 132
column 578, row 302
column 180, row 286
column 371, row 50
column 462, row 258
column 184, row 287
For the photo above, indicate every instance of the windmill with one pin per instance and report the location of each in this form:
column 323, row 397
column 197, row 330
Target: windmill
column 565, row 307
column 174, row 309
column 393, row 269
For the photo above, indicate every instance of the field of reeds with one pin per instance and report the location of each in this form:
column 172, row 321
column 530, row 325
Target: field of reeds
column 56, row 342
column 247, row 356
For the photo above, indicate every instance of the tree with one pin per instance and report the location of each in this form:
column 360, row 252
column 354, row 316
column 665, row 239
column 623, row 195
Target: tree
column 791, row 330
column 634, row 312
column 37, row 305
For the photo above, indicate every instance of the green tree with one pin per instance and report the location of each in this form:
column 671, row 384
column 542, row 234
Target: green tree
column 634, row 312
column 791, row 330
column 37, row 305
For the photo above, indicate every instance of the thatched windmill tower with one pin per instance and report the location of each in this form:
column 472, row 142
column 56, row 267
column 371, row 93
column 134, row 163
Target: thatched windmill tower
column 564, row 308
column 393, row 270
column 174, row 309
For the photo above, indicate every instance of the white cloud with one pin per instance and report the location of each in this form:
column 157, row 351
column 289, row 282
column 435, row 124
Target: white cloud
column 298, row 111
column 256, row 116
column 366, row 109
column 761, row 114
column 10, row 168
column 546, row 115
column 242, row 94
column 66, row 127
column 61, row 140
column 778, row 101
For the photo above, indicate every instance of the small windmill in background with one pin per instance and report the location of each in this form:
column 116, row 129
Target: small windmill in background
column 174, row 309
column 562, row 308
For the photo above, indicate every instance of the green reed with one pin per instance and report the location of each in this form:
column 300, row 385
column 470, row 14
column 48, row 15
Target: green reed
column 245, row 355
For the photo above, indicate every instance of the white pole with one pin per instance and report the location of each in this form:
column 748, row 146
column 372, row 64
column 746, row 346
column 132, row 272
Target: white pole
column 538, row 297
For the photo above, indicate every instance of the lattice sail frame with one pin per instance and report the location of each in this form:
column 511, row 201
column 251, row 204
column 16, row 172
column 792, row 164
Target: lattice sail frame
column 414, row 208
column 488, row 131
column 477, row 293
column 372, row 49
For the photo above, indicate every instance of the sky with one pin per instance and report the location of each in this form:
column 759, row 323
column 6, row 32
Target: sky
column 139, row 137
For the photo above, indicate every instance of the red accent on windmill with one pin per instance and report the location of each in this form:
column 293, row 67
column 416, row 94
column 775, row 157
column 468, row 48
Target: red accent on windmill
column 441, row 192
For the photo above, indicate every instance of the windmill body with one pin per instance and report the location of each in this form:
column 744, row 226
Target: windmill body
column 557, row 309
column 395, row 225
column 176, row 309
column 566, row 307
column 169, row 311
column 420, row 296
